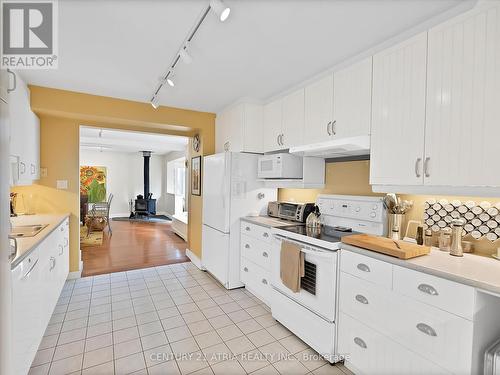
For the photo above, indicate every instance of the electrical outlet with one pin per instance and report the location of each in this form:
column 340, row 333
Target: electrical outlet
column 62, row 184
column 43, row 172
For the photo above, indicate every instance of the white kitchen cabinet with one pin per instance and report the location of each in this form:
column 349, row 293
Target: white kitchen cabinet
column 239, row 128
column 352, row 100
column 463, row 97
column 398, row 113
column 318, row 110
column 273, row 125
column 293, row 119
column 25, row 135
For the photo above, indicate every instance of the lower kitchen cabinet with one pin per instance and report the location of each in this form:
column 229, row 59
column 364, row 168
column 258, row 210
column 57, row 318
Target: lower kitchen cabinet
column 36, row 285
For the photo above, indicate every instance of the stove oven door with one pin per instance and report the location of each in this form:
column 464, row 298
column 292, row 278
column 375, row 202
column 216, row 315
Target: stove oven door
column 317, row 291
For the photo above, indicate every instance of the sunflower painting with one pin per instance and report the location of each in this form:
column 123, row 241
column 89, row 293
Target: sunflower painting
column 93, row 183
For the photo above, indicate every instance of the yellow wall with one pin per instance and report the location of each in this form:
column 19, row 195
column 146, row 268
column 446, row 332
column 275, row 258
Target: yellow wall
column 352, row 178
column 62, row 112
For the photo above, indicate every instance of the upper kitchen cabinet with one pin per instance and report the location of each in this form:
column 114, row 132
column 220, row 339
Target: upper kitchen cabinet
column 284, row 122
column 273, row 121
column 239, row 128
column 463, row 100
column 25, row 136
column 318, row 111
column 398, row 113
column 352, row 100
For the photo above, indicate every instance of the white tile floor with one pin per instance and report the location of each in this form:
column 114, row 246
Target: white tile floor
column 171, row 319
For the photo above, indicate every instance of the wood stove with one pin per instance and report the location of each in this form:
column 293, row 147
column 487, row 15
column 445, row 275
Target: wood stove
column 145, row 205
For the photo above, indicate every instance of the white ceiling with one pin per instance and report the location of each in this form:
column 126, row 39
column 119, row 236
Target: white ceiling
column 120, row 49
column 127, row 141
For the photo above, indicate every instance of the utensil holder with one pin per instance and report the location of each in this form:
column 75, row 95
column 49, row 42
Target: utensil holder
column 394, row 221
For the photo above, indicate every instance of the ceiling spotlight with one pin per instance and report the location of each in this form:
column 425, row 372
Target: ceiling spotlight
column 155, row 102
column 220, row 9
column 170, row 82
column 185, row 56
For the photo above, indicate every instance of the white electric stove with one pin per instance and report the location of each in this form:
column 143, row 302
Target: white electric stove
column 312, row 312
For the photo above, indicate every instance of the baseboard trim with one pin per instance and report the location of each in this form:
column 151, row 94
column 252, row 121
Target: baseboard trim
column 194, row 259
column 76, row 274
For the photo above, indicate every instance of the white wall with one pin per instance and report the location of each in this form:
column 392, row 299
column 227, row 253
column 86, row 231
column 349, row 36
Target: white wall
column 169, row 199
column 125, row 178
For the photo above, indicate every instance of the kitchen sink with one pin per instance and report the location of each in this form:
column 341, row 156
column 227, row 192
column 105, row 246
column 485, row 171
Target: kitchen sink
column 27, row 230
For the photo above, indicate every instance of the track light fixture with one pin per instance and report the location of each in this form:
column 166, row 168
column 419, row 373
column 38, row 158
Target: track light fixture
column 220, row 9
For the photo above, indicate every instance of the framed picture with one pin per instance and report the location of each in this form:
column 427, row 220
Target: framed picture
column 196, row 175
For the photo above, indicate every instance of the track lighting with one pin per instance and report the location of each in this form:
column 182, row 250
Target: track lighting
column 170, row 82
column 155, row 102
column 185, row 56
column 220, row 9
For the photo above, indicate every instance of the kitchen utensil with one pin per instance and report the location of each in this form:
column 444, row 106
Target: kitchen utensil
column 395, row 222
column 386, row 246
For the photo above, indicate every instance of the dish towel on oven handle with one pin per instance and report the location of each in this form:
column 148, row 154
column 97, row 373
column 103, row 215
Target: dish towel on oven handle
column 291, row 265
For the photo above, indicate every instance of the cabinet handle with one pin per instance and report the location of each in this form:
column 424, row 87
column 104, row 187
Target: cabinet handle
column 14, row 81
column 278, row 140
column 428, row 330
column 62, row 249
column 426, row 167
column 264, row 281
column 363, row 267
column 23, row 167
column 428, row 289
column 66, row 242
column 247, row 246
column 29, row 271
column 61, row 229
column 358, row 341
column 417, row 167
column 328, row 128
column 33, row 169
column 282, row 139
column 265, row 234
column 261, row 195
column 361, row 299
column 334, row 125
column 265, row 255
column 245, row 269
column 53, row 263
column 247, row 228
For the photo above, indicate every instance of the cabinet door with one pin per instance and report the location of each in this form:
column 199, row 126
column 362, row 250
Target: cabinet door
column 273, row 113
column 318, row 110
column 20, row 134
column 463, row 100
column 293, row 119
column 352, row 100
column 252, row 129
column 33, row 151
column 221, row 131
column 235, row 128
column 398, row 116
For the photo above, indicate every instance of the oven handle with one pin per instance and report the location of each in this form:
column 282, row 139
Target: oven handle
column 307, row 249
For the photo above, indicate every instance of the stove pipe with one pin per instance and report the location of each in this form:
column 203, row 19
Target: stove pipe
column 146, row 155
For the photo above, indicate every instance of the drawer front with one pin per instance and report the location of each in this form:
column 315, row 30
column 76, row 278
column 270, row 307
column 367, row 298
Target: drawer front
column 364, row 267
column 439, row 336
column 365, row 301
column 256, row 231
column 257, row 280
column 444, row 294
column 257, row 251
column 369, row 352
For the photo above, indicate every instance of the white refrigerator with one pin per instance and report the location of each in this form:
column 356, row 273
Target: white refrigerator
column 230, row 191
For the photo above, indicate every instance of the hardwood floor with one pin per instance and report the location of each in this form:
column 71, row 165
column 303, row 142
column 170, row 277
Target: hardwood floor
column 132, row 246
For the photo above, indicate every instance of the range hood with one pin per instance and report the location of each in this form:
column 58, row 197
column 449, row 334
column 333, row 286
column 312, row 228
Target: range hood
column 335, row 148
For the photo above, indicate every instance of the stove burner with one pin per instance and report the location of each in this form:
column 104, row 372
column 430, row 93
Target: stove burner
column 325, row 233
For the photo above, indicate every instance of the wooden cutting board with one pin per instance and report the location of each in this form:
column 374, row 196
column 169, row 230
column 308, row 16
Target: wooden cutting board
column 386, row 246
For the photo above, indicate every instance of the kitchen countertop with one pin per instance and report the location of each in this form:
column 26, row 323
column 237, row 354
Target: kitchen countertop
column 27, row 244
column 474, row 270
column 269, row 222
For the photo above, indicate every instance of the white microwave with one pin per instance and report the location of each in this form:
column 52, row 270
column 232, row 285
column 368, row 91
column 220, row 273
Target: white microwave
column 280, row 166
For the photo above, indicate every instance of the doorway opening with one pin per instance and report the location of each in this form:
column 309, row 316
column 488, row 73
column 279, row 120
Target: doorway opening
column 133, row 201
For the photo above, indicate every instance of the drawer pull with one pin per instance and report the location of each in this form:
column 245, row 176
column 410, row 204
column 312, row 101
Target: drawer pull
column 428, row 289
column 62, row 249
column 265, row 234
column 247, row 246
column 264, row 281
column 428, row 330
column 245, row 269
column 360, row 342
column 247, row 228
column 265, row 255
column 361, row 299
column 363, row 267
